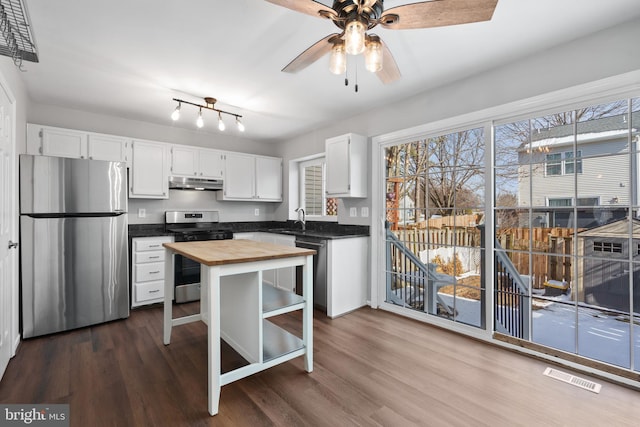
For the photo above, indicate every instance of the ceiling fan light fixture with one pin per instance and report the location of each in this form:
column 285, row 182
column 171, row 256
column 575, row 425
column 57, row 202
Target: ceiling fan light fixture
column 373, row 54
column 200, row 121
column 176, row 113
column 221, row 125
column 354, row 34
column 338, row 60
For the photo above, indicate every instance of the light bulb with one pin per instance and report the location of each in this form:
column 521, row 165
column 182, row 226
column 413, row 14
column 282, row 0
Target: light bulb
column 354, row 37
column 373, row 55
column 200, row 122
column 240, row 124
column 176, row 113
column 221, row 125
column 338, row 60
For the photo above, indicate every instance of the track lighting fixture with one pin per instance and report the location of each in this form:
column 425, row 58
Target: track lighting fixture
column 210, row 105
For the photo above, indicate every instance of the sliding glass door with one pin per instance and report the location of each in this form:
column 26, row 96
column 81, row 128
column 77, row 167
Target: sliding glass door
column 434, row 202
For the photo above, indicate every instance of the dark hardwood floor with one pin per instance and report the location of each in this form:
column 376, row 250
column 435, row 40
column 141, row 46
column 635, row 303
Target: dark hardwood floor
column 371, row 368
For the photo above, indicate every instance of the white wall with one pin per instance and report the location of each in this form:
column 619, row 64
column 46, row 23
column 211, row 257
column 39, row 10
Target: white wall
column 198, row 200
column 603, row 54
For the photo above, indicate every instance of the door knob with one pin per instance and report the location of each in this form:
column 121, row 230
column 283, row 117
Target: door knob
column 13, row 245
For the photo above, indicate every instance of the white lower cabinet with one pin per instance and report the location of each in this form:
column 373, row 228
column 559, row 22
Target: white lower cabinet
column 347, row 272
column 147, row 269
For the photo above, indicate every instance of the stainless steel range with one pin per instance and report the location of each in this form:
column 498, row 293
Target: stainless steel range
column 186, row 227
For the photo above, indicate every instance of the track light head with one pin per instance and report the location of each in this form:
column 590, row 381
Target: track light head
column 221, row 125
column 176, row 113
column 200, row 122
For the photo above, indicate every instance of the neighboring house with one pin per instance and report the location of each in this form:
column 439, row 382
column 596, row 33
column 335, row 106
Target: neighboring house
column 603, row 265
column 595, row 176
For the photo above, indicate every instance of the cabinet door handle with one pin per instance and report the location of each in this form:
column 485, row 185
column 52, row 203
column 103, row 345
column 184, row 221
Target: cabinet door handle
column 154, row 246
column 154, row 272
column 155, row 291
column 154, row 257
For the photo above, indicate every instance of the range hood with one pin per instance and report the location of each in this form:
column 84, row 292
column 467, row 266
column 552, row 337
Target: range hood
column 183, row 183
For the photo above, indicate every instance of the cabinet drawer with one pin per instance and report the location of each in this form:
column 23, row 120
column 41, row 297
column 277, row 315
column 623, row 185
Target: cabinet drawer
column 149, row 291
column 151, row 256
column 153, row 244
column 149, row 272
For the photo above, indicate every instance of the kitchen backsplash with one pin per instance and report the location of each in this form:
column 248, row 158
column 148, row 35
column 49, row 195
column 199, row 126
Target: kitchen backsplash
column 197, row 200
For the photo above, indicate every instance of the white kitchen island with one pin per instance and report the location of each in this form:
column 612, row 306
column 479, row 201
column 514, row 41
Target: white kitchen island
column 236, row 305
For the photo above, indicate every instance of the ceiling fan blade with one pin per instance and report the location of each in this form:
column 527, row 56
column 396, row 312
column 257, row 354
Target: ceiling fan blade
column 311, row 55
column 310, row 7
column 437, row 13
column 390, row 71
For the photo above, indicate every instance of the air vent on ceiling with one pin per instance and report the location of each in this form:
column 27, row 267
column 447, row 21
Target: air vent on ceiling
column 16, row 38
column 573, row 380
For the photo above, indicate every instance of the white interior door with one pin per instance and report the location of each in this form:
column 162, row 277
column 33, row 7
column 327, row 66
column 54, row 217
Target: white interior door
column 8, row 220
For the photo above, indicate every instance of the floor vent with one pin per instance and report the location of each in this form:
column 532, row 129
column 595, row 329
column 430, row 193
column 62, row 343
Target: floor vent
column 573, row 380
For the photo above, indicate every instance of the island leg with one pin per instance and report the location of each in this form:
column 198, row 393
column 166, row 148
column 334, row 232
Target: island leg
column 212, row 281
column 168, row 295
column 307, row 312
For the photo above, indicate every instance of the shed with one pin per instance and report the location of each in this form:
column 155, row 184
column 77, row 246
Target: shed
column 603, row 265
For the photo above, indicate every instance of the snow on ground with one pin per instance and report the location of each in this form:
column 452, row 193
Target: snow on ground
column 601, row 336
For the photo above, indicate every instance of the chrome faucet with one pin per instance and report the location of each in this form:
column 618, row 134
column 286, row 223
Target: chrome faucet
column 303, row 221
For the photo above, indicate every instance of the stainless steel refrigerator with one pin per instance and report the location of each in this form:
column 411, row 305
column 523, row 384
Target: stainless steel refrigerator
column 73, row 252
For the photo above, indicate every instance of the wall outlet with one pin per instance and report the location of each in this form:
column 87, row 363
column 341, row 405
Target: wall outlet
column 353, row 212
column 142, row 213
column 364, row 211
column 256, row 211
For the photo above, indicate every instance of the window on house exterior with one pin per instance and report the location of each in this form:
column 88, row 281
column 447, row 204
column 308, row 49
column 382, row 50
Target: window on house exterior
column 554, row 164
column 563, row 163
column 572, row 165
column 607, row 247
column 560, row 202
column 312, row 190
column 568, row 201
column 588, row 201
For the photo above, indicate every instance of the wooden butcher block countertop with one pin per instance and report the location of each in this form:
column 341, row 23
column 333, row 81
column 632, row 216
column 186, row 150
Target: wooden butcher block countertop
column 219, row 252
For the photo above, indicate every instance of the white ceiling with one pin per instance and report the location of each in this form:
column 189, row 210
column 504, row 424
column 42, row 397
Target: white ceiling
column 130, row 58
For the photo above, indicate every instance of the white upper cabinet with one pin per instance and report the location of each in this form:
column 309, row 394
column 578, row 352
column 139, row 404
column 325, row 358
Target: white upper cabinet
column 249, row 177
column 269, row 178
column 107, row 147
column 196, row 162
column 149, row 175
column 211, row 163
column 184, row 161
column 58, row 142
column 239, row 177
column 346, row 160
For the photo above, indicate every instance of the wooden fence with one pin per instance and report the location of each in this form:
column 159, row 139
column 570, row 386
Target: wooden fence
column 543, row 255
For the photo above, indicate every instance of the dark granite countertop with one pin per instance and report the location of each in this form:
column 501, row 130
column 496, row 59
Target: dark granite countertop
column 319, row 230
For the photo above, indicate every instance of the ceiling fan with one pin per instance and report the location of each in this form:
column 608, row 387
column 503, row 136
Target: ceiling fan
column 356, row 17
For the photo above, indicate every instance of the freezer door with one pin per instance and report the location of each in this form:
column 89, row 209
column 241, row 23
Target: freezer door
column 55, row 185
column 74, row 272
